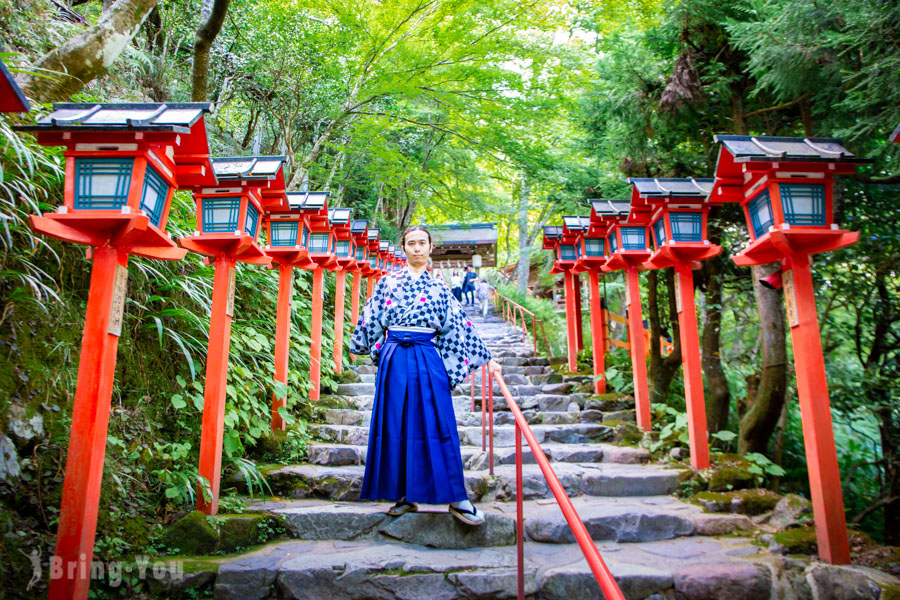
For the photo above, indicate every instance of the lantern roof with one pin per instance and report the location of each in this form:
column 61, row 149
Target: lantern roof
column 574, row 224
column 895, row 137
column 748, row 148
column 339, row 216
column 552, row 236
column 609, row 209
column 358, row 226
column 11, row 97
column 249, row 167
column 181, row 125
column 373, row 234
column 314, row 201
column 383, row 245
column 670, row 187
column 177, row 117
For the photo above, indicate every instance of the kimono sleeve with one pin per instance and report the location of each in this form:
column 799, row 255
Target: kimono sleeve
column 369, row 333
column 460, row 347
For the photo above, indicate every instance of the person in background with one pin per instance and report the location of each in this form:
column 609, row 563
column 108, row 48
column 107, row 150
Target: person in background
column 456, row 285
column 468, row 288
column 483, row 294
column 438, row 274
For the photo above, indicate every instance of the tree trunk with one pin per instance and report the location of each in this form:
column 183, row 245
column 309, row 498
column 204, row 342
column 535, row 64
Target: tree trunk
column 212, row 16
column 89, row 54
column 758, row 423
column 718, row 397
column 662, row 368
column 523, row 266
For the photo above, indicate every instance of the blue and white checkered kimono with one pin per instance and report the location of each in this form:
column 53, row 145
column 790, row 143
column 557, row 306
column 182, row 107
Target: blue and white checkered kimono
column 413, row 441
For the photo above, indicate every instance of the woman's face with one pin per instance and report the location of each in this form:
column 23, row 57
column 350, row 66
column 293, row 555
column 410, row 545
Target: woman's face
column 417, row 248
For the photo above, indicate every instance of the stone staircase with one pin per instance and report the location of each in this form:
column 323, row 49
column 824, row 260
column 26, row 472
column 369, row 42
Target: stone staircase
column 656, row 546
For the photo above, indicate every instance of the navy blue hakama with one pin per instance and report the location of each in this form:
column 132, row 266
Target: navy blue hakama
column 413, row 441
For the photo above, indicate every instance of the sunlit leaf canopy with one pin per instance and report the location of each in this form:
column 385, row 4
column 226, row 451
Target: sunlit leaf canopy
column 407, row 110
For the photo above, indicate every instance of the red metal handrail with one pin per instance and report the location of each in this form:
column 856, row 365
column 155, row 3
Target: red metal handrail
column 601, row 572
column 513, row 312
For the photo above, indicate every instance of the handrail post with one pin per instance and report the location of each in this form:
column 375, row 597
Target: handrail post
column 520, row 518
column 483, row 424
column 491, row 417
column 472, row 387
column 534, row 333
column 483, row 417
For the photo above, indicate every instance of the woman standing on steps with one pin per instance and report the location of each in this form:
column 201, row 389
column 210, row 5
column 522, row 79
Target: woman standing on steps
column 414, row 453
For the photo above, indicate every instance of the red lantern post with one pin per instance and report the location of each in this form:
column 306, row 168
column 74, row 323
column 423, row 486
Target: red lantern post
column 372, row 272
column 680, row 211
column 565, row 254
column 286, row 232
column 123, row 163
column 593, row 258
column 345, row 252
column 320, row 245
column 627, row 250
column 785, row 186
column 358, row 232
column 228, row 219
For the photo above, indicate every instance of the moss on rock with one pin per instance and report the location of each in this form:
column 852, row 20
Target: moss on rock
column 749, row 502
column 800, row 540
column 625, row 433
column 192, row 534
column 725, row 479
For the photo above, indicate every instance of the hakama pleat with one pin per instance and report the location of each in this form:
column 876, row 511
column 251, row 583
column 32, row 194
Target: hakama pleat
column 413, row 441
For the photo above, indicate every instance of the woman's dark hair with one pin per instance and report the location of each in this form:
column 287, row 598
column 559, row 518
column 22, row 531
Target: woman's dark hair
column 410, row 230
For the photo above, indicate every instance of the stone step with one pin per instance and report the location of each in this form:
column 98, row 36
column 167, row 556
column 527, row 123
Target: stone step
column 694, row 568
column 628, row 520
column 502, row 415
column 504, row 435
column 475, row 459
column 593, row 479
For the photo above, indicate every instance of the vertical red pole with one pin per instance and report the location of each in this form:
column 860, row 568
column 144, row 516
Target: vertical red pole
column 282, row 338
column 354, row 301
column 483, row 415
column 87, row 438
column 354, row 305
column 520, row 519
column 815, row 412
column 213, row 423
column 491, row 423
column 370, row 286
column 579, row 327
column 690, row 362
column 315, row 345
column 572, row 337
column 638, row 353
column 598, row 344
column 339, row 321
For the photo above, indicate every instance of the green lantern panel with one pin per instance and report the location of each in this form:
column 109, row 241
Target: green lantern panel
column 760, row 209
column 593, row 246
column 318, row 241
column 252, row 220
column 634, row 238
column 220, row 215
column 686, row 226
column 153, row 197
column 803, row 204
column 102, row 183
column 659, row 230
column 284, row 233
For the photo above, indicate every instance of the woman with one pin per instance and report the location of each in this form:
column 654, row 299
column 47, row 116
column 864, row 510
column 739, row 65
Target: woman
column 438, row 274
column 483, row 293
column 456, row 285
column 414, row 453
